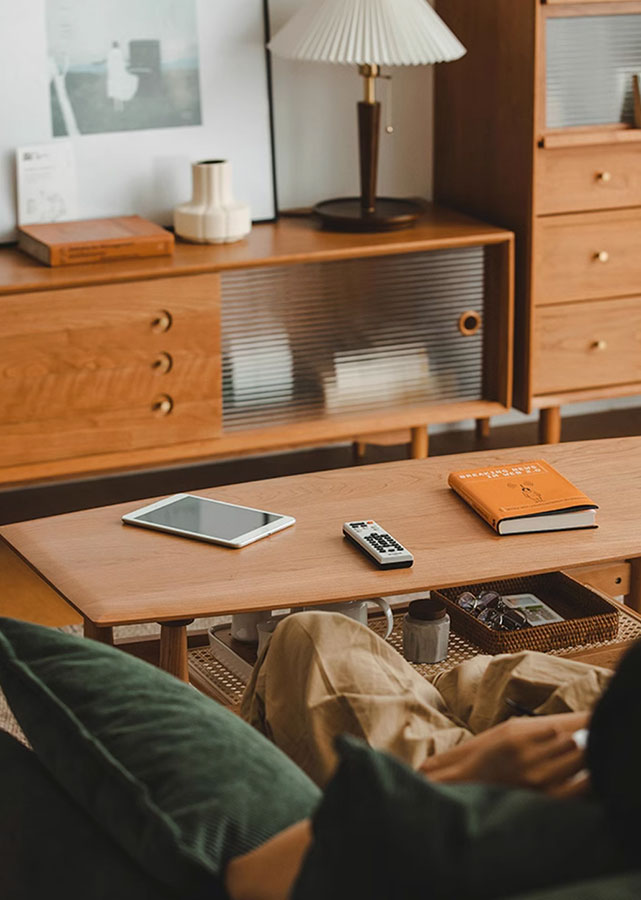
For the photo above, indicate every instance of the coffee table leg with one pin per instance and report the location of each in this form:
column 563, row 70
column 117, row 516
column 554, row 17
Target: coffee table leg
column 97, row 633
column 633, row 598
column 420, row 442
column 173, row 648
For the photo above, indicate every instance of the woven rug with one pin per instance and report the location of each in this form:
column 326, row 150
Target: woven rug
column 8, row 721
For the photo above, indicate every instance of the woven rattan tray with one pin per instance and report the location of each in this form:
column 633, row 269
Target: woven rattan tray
column 588, row 616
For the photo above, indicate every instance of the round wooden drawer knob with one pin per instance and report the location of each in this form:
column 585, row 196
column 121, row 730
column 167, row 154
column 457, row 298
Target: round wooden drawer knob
column 603, row 256
column 162, row 363
column 604, row 177
column 599, row 345
column 162, row 405
column 161, row 322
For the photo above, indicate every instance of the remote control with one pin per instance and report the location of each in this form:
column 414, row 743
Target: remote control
column 385, row 550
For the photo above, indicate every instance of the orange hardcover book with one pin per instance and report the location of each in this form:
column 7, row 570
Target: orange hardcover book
column 524, row 497
column 94, row 240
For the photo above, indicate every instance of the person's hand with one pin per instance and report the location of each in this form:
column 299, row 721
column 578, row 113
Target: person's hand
column 537, row 753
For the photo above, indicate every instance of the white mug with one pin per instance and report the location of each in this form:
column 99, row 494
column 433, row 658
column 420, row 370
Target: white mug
column 244, row 625
column 357, row 609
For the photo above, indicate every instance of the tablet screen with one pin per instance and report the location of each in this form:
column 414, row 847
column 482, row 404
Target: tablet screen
column 208, row 517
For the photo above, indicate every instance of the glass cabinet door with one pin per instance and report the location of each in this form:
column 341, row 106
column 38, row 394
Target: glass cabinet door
column 590, row 63
column 352, row 336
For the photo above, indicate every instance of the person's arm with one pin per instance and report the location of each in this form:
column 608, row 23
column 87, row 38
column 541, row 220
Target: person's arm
column 537, row 753
column 269, row 871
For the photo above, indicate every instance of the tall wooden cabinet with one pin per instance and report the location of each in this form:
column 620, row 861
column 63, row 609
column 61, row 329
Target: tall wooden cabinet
column 535, row 132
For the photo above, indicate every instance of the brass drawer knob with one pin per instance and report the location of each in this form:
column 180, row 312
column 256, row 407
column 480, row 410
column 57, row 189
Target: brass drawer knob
column 162, row 405
column 162, row 363
column 602, row 256
column 469, row 322
column 599, row 345
column 604, row 177
column 161, row 322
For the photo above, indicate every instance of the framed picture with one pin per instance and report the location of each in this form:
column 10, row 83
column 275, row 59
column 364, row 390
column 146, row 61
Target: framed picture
column 141, row 88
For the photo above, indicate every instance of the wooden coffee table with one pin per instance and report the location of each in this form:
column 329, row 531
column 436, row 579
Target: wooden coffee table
column 115, row 574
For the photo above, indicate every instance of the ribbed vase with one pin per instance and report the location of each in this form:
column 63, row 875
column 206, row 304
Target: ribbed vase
column 212, row 216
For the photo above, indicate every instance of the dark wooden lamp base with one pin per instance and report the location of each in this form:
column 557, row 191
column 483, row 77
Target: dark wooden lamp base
column 368, row 212
column 348, row 214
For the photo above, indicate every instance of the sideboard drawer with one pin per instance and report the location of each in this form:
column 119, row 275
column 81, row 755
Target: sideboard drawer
column 109, row 368
column 588, row 178
column 587, row 255
column 586, row 345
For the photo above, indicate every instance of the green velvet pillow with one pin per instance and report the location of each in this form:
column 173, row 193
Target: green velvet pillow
column 179, row 782
column 385, row 831
column 49, row 847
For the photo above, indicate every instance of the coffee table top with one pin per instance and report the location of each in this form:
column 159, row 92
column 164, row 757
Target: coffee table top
column 116, row 574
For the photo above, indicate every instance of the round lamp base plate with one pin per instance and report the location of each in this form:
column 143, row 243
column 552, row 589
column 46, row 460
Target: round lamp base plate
column 347, row 214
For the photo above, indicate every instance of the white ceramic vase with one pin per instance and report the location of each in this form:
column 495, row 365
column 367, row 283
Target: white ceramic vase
column 212, row 216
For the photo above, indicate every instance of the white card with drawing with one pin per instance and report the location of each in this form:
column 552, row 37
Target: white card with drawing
column 47, row 187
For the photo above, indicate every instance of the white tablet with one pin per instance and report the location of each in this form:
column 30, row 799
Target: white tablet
column 209, row 520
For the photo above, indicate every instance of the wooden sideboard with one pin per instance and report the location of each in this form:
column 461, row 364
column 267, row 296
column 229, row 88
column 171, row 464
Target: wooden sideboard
column 535, row 131
column 295, row 336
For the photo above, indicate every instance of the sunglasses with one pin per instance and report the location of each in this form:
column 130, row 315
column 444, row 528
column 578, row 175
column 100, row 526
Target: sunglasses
column 488, row 607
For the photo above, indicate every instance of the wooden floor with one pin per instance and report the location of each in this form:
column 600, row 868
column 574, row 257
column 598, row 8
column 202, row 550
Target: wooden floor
column 33, row 502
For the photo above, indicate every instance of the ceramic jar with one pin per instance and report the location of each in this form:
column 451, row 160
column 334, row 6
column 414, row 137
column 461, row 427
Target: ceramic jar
column 426, row 631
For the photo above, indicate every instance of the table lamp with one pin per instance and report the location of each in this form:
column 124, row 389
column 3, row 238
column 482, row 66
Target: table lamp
column 368, row 34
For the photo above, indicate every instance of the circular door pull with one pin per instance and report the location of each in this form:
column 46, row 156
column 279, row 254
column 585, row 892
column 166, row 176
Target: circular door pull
column 162, row 405
column 604, row 177
column 162, row 363
column 602, row 256
column 599, row 345
column 161, row 322
column 469, row 322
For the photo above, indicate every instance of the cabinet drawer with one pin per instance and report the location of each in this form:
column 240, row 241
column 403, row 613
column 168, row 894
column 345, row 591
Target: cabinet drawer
column 588, row 178
column 585, row 345
column 109, row 368
column 587, row 255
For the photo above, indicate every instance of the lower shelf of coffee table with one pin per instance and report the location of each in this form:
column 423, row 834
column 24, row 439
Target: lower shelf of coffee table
column 214, row 678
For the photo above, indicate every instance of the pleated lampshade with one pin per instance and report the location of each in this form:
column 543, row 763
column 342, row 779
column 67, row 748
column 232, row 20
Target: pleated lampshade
column 368, row 32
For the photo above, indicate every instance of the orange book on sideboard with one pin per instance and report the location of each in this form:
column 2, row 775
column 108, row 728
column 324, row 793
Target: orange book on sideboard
column 94, row 240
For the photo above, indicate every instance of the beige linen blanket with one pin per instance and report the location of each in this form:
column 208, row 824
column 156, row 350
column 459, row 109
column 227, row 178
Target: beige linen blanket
column 324, row 674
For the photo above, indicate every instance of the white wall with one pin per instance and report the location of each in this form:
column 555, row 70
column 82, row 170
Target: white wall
column 316, row 132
